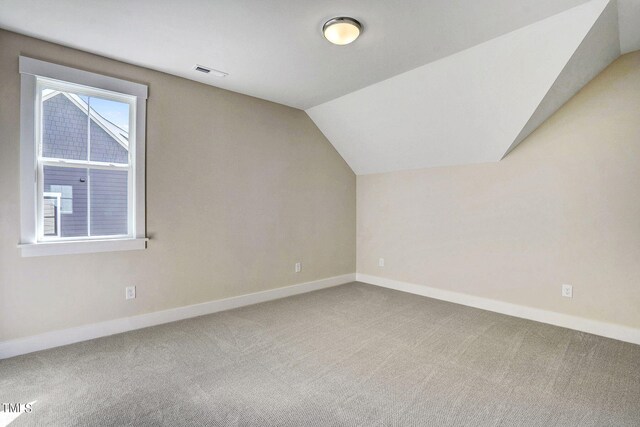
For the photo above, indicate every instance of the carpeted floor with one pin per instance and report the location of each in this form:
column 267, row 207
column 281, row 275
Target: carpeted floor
column 351, row 355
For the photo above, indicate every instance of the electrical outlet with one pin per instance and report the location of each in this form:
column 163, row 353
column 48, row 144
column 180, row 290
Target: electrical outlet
column 298, row 267
column 381, row 262
column 567, row 291
column 130, row 292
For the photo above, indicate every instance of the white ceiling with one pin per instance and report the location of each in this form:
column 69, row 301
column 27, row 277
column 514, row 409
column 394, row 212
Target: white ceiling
column 274, row 49
column 598, row 49
column 428, row 83
column 466, row 108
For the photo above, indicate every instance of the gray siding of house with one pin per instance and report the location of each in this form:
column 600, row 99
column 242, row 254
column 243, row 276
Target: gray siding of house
column 108, row 202
column 73, row 224
column 65, row 136
column 64, row 129
column 104, row 148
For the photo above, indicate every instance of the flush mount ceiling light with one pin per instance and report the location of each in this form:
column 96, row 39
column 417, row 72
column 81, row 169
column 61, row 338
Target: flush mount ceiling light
column 341, row 30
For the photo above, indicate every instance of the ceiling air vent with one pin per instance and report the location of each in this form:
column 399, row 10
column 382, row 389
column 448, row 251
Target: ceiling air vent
column 211, row 71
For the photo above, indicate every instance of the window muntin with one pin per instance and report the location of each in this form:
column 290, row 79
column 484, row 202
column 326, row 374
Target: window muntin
column 85, row 152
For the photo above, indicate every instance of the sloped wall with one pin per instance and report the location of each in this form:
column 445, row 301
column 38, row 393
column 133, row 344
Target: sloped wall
column 563, row 207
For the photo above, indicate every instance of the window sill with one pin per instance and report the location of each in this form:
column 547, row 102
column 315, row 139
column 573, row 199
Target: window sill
column 82, row 247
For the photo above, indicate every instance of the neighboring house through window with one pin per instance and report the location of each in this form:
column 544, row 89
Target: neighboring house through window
column 51, row 214
column 66, row 197
column 83, row 136
column 73, row 128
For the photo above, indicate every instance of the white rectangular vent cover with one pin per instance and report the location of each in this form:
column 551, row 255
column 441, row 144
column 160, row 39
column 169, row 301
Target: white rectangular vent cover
column 208, row 70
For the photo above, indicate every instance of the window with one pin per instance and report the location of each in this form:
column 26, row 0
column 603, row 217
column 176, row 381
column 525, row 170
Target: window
column 82, row 161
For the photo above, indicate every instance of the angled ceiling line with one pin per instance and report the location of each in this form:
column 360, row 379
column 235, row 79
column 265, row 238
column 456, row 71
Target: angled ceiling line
column 599, row 48
column 466, row 108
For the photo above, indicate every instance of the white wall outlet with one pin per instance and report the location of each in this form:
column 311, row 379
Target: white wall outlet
column 130, row 292
column 381, row 262
column 567, row 291
column 298, row 267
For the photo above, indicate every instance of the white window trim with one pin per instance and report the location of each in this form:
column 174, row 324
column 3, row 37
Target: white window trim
column 30, row 70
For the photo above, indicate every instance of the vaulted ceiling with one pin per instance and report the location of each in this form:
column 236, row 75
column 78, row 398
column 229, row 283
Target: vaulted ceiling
column 476, row 105
column 428, row 83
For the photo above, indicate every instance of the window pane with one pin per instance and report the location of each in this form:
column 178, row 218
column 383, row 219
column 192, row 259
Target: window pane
column 71, row 123
column 108, row 202
column 64, row 125
column 66, row 197
column 109, row 130
column 70, row 184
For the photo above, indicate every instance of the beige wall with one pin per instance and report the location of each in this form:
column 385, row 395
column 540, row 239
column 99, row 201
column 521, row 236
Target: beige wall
column 563, row 207
column 238, row 190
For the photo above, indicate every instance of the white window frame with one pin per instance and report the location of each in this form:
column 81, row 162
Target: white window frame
column 33, row 74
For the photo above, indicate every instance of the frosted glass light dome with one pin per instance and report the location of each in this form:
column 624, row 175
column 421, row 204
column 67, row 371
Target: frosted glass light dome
column 342, row 30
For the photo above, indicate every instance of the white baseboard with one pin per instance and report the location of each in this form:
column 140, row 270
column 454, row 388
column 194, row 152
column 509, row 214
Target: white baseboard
column 52, row 339
column 609, row 330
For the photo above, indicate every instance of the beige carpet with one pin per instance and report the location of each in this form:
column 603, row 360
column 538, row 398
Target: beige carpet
column 351, row 355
